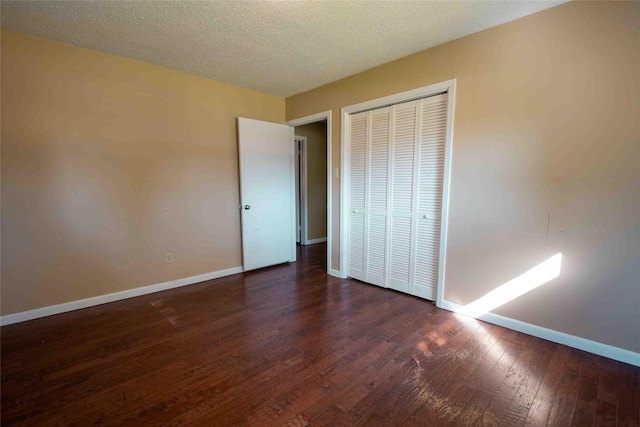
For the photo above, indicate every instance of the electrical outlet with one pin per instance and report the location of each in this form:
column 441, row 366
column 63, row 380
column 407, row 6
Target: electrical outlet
column 169, row 257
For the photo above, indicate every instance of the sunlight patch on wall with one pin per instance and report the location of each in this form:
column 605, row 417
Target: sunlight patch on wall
column 537, row 276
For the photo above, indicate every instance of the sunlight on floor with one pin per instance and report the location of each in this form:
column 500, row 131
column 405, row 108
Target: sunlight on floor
column 537, row 276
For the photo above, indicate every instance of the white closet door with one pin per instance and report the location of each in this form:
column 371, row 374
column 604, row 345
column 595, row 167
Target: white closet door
column 377, row 200
column 433, row 118
column 396, row 176
column 402, row 194
column 357, row 179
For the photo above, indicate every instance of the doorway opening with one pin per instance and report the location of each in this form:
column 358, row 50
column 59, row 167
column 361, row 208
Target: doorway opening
column 311, row 183
column 312, row 147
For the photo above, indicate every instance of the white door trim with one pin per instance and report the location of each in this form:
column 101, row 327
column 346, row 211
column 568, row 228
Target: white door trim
column 304, row 217
column 325, row 115
column 294, row 226
column 448, row 87
column 298, row 196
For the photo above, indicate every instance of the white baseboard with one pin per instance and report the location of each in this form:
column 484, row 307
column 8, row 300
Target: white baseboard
column 335, row 273
column 314, row 241
column 594, row 347
column 116, row 296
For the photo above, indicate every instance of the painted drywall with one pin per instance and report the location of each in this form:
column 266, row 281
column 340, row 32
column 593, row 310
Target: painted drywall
column 316, row 134
column 108, row 164
column 546, row 160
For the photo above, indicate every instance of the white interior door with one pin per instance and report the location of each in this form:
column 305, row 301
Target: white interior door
column 267, row 193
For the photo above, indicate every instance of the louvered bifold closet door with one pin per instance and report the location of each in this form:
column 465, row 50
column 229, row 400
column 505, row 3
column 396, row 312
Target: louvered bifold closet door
column 403, row 143
column 357, row 180
column 432, row 135
column 396, row 176
column 377, row 200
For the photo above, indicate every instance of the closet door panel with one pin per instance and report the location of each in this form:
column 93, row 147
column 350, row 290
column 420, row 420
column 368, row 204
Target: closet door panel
column 431, row 171
column 400, row 253
column 376, row 271
column 402, row 175
column 379, row 163
column 403, row 157
column 377, row 186
column 427, row 250
column 357, row 181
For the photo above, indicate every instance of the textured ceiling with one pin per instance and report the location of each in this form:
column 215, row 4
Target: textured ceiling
column 278, row 47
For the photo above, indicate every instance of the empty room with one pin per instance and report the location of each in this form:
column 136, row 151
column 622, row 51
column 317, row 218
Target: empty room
column 321, row 213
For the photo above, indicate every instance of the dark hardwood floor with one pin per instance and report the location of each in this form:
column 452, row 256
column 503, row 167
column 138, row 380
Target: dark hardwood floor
column 289, row 345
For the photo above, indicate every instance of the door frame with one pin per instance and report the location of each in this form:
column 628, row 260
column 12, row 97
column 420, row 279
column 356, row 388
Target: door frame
column 325, row 115
column 447, row 87
column 297, row 198
column 302, row 203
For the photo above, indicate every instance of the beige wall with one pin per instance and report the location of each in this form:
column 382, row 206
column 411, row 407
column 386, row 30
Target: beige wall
column 316, row 134
column 109, row 163
column 546, row 126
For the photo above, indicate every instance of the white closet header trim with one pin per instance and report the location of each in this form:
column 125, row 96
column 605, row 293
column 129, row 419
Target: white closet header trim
column 409, row 95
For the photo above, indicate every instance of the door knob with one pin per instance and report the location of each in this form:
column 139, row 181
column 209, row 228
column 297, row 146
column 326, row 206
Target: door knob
column 246, row 207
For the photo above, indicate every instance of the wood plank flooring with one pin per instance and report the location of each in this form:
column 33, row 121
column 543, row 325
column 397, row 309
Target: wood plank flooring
column 289, row 345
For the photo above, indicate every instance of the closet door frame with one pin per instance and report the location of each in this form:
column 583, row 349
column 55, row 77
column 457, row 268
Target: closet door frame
column 447, row 87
